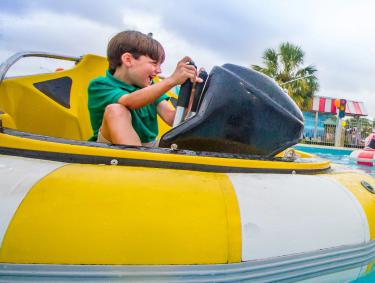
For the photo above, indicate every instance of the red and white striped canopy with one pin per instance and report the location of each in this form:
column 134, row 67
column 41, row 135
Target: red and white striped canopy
column 327, row 105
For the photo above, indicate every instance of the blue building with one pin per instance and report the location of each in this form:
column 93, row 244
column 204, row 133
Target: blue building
column 315, row 125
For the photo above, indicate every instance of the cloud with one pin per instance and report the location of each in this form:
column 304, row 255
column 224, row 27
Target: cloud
column 108, row 13
column 48, row 31
column 335, row 35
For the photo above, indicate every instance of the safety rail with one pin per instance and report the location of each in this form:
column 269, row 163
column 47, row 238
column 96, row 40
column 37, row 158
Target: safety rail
column 323, row 131
column 4, row 67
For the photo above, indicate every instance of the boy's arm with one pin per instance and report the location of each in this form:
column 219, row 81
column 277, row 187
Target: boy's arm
column 166, row 112
column 148, row 95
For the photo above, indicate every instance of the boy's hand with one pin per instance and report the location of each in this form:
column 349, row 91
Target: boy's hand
column 184, row 71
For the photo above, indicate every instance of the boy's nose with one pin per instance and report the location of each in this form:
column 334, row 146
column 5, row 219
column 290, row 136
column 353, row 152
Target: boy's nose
column 158, row 69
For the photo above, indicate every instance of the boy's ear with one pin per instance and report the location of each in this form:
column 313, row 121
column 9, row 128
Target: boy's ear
column 126, row 59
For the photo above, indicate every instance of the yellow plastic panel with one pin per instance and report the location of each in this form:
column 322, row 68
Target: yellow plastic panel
column 352, row 181
column 29, row 144
column 99, row 214
column 7, row 121
column 34, row 112
column 164, row 127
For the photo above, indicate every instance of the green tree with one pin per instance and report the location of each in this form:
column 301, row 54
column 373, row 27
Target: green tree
column 284, row 65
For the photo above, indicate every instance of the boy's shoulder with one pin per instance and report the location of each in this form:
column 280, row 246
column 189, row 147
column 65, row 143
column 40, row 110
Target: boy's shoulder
column 109, row 81
column 100, row 83
column 100, row 80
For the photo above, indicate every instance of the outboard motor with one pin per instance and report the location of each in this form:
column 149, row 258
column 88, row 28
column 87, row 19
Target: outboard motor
column 241, row 111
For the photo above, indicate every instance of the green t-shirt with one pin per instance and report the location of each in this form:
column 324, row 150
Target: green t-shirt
column 103, row 91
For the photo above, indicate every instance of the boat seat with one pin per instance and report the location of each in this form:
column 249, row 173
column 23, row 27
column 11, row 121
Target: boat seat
column 53, row 104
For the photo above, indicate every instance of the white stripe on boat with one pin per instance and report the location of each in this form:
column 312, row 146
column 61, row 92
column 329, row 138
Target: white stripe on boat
column 289, row 214
column 17, row 177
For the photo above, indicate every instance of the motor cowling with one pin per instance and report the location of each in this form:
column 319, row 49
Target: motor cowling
column 240, row 111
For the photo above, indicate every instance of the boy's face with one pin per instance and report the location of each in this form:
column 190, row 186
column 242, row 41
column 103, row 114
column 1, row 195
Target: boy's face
column 143, row 70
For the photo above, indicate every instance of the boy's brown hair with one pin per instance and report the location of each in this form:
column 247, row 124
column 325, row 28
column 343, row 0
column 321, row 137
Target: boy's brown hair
column 137, row 44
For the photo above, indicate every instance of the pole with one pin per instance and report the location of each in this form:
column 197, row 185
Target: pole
column 338, row 132
column 316, row 124
column 297, row 79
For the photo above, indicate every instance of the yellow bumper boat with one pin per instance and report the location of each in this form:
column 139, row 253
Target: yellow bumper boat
column 77, row 210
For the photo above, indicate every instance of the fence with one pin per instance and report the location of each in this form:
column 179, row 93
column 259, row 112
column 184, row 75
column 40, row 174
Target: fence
column 321, row 130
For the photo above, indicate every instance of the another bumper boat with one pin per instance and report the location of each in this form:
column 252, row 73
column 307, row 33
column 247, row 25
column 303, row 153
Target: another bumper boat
column 365, row 156
column 224, row 200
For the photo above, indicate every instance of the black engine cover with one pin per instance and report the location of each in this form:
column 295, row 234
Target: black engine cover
column 241, row 111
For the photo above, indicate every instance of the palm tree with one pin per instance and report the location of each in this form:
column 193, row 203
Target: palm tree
column 285, row 67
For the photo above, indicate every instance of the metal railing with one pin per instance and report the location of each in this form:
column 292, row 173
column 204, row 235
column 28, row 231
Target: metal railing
column 322, row 131
column 4, row 67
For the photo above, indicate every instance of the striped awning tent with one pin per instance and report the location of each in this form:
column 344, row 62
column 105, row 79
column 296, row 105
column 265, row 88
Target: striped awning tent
column 323, row 104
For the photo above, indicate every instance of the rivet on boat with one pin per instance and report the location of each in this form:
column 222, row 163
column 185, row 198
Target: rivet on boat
column 368, row 187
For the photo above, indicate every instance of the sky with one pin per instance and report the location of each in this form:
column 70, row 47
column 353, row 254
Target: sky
column 336, row 35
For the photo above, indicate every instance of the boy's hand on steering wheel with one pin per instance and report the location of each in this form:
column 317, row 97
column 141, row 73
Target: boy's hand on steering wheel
column 185, row 71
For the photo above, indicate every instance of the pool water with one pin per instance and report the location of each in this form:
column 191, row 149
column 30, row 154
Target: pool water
column 367, row 278
column 337, row 156
column 344, row 160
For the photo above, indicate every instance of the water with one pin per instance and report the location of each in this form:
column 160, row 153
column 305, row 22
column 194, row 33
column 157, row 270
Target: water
column 344, row 160
column 337, row 156
column 367, row 278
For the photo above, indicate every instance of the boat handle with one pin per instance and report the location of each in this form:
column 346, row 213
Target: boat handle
column 183, row 99
column 4, row 67
column 198, row 93
column 368, row 187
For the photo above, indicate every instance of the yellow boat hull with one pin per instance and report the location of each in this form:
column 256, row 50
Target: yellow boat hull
column 71, row 209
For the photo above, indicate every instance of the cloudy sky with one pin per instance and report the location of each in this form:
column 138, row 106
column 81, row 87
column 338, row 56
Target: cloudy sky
column 337, row 35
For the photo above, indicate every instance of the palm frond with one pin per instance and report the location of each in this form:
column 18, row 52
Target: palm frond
column 285, row 67
column 291, row 56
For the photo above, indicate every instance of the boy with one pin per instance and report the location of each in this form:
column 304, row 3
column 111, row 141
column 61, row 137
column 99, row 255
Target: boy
column 124, row 104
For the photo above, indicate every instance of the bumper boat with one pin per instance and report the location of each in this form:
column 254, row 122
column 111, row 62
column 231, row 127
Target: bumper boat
column 222, row 200
column 365, row 156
